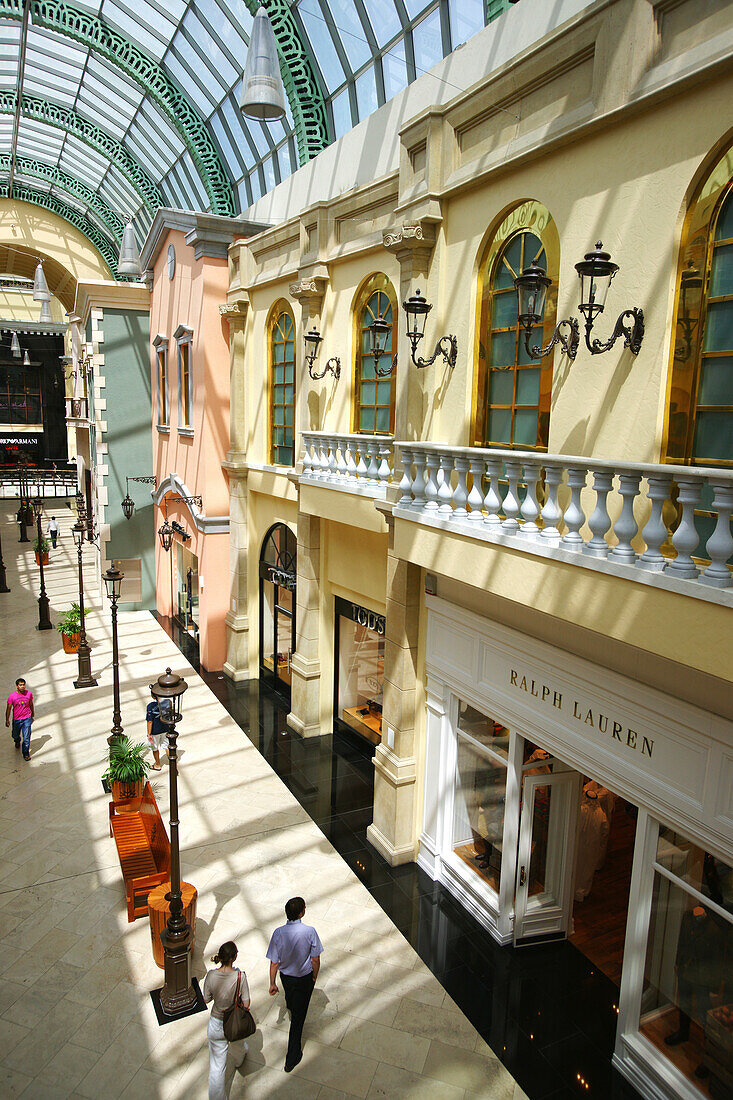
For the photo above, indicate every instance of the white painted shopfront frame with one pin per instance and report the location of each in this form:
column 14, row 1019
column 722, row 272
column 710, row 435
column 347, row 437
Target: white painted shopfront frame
column 471, row 658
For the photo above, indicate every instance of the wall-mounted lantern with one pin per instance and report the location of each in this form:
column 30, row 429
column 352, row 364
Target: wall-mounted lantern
column 417, row 309
column 532, row 287
column 167, row 531
column 128, row 504
column 313, row 340
column 687, row 319
column 379, row 332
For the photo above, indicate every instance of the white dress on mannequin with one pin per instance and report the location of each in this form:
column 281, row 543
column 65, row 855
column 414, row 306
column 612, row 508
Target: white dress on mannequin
column 592, row 839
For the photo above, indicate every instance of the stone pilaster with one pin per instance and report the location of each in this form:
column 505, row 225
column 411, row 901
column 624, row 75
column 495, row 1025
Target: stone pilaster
column 305, row 688
column 393, row 831
column 236, row 665
column 309, row 292
column 413, row 247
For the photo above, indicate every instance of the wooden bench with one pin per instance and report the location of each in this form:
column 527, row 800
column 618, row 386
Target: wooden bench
column 143, row 849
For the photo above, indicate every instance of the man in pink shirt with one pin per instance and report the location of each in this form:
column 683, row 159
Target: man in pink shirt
column 20, row 704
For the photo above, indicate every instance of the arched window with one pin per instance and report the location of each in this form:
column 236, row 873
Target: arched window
column 282, row 387
column 374, row 396
column 513, row 391
column 278, row 579
column 700, row 422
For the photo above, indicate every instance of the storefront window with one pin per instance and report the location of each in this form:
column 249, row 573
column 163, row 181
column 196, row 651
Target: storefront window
column 277, row 605
column 360, row 673
column 687, row 1000
column 188, row 589
column 480, row 793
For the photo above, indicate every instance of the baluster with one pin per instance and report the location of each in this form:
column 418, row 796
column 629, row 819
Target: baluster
column 476, row 496
column 720, row 544
column 551, row 513
column 307, row 460
column 341, row 462
column 406, row 484
column 685, row 538
column 511, row 500
column 385, row 471
column 460, row 495
column 445, row 485
column 625, row 526
column 600, row 521
column 530, row 508
column 321, row 461
column 373, row 471
column 418, row 485
column 574, row 517
column 492, row 500
column 432, row 461
column 361, row 467
column 654, row 532
column 350, row 460
column 331, row 460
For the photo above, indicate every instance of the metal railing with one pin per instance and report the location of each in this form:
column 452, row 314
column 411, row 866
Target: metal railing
column 43, row 483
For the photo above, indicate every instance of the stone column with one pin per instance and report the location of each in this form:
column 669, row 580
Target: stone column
column 413, row 246
column 394, row 831
column 236, row 665
column 309, row 293
column 305, row 667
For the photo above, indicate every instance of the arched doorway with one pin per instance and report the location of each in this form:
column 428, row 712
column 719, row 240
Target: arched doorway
column 277, row 605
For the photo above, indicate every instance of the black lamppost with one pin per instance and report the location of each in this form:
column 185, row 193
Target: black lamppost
column 84, row 653
column 113, row 583
column 44, row 619
column 178, row 995
column 23, row 501
column 3, row 578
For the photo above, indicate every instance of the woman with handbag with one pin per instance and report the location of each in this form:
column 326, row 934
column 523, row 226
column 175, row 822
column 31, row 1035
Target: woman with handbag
column 227, row 988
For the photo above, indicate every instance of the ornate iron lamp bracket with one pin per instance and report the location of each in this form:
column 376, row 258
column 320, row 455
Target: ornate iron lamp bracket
column 633, row 333
column 449, row 352
column 333, row 365
column 569, row 343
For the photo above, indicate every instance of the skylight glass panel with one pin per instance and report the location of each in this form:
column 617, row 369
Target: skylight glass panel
column 120, row 194
column 350, row 31
column 394, row 68
column 255, row 185
column 138, row 30
column 186, row 72
column 208, row 49
column 268, row 169
column 384, row 20
column 225, row 141
column 77, row 155
column 366, row 92
column 322, row 47
column 417, row 7
column 231, row 19
column 341, row 113
column 466, row 19
column 162, row 16
column 237, row 127
column 113, row 83
column 428, row 42
column 287, row 164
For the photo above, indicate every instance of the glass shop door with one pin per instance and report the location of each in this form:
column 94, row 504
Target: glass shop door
column 543, row 901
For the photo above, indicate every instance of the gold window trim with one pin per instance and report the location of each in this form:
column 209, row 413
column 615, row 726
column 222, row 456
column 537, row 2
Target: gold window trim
column 529, row 216
column 377, row 281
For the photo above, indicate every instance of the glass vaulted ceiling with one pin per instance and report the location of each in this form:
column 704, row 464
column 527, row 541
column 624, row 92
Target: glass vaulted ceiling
column 109, row 133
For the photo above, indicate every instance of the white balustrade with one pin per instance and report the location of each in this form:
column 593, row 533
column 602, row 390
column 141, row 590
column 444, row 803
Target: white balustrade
column 362, row 463
column 546, row 499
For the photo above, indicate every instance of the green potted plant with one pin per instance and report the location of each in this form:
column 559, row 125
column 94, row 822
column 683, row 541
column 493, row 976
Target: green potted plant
column 41, row 547
column 127, row 769
column 69, row 627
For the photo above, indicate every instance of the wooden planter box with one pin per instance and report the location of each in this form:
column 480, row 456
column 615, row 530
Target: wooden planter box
column 45, row 559
column 71, row 642
column 127, row 792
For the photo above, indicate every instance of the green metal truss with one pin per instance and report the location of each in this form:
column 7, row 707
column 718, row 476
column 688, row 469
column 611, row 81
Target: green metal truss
column 24, row 166
column 57, row 206
column 301, row 85
column 64, row 118
column 93, row 32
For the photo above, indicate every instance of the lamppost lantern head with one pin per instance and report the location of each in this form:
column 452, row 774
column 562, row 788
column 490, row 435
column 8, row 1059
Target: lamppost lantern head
column 379, row 332
column 417, row 309
column 78, row 531
column 312, row 340
column 38, row 507
column 531, row 287
column 112, row 578
column 165, row 534
column 168, row 690
column 595, row 271
column 128, row 506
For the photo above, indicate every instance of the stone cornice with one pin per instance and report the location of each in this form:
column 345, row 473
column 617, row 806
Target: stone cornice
column 210, row 234
column 106, row 294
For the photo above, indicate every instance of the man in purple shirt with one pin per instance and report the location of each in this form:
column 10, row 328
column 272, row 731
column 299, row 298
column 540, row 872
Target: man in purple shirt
column 20, row 705
column 295, row 950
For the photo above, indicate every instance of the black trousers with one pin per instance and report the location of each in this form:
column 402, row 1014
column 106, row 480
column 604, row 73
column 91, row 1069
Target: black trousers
column 298, row 992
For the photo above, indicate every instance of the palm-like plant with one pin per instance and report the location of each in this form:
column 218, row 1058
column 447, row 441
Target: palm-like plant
column 127, row 764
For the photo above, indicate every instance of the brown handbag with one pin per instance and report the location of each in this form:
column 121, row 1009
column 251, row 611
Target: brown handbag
column 238, row 1020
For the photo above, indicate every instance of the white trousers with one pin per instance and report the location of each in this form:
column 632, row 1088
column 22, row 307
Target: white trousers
column 218, row 1047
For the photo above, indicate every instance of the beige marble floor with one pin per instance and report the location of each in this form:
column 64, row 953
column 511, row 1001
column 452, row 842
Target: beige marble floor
column 76, row 1019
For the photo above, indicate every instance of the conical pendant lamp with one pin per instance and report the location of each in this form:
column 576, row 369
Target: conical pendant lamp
column 263, row 95
column 46, row 312
column 15, row 345
column 26, row 359
column 129, row 258
column 41, row 293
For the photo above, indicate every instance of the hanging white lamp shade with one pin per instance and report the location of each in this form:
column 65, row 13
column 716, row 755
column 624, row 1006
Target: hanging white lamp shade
column 41, row 293
column 129, row 258
column 263, row 94
column 15, row 345
column 26, row 359
column 46, row 312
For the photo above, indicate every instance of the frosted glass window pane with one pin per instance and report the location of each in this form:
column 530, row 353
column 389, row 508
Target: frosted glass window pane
column 501, row 387
column 714, row 436
column 415, row 7
column 322, row 44
column 341, row 113
column 528, row 387
column 366, row 93
column 505, row 310
column 525, row 427
column 394, row 68
column 500, row 426
column 428, row 42
column 502, row 349
column 719, row 327
column 716, row 383
column 466, row 18
column 721, row 276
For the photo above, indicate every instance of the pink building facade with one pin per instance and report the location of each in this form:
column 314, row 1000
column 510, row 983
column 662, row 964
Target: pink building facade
column 185, row 264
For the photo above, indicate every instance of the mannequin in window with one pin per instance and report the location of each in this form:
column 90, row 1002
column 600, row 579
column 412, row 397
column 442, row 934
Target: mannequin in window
column 487, row 825
column 592, row 840
column 701, row 973
column 607, row 801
